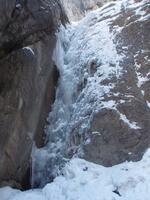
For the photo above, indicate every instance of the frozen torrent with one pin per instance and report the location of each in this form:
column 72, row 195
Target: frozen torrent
column 47, row 161
column 71, row 106
column 85, row 63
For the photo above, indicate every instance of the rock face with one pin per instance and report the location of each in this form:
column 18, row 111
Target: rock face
column 110, row 117
column 76, row 9
column 123, row 133
column 28, row 78
column 26, row 22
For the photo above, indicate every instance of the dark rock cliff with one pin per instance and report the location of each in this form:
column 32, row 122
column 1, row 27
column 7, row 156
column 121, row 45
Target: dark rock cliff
column 28, row 78
column 26, row 22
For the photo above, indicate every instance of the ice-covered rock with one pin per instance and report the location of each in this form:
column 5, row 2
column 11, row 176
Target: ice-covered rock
column 101, row 112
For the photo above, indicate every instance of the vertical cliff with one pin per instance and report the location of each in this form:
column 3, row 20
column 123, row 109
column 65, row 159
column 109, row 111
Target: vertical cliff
column 28, row 77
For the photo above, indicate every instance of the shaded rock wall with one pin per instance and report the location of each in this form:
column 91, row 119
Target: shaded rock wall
column 28, row 78
column 26, row 22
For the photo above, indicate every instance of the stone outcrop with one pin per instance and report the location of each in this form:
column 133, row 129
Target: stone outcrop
column 110, row 122
column 28, row 78
column 116, row 140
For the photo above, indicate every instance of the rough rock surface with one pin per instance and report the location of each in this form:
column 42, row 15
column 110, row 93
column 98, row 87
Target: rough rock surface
column 119, row 124
column 26, row 22
column 28, row 78
column 76, row 9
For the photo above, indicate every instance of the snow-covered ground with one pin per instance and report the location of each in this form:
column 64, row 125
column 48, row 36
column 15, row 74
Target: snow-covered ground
column 82, row 180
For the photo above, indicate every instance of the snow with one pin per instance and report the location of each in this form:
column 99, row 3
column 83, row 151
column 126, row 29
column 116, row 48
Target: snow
column 18, row 5
column 148, row 104
column 82, row 180
column 142, row 80
column 132, row 125
column 29, row 49
column 8, row 193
